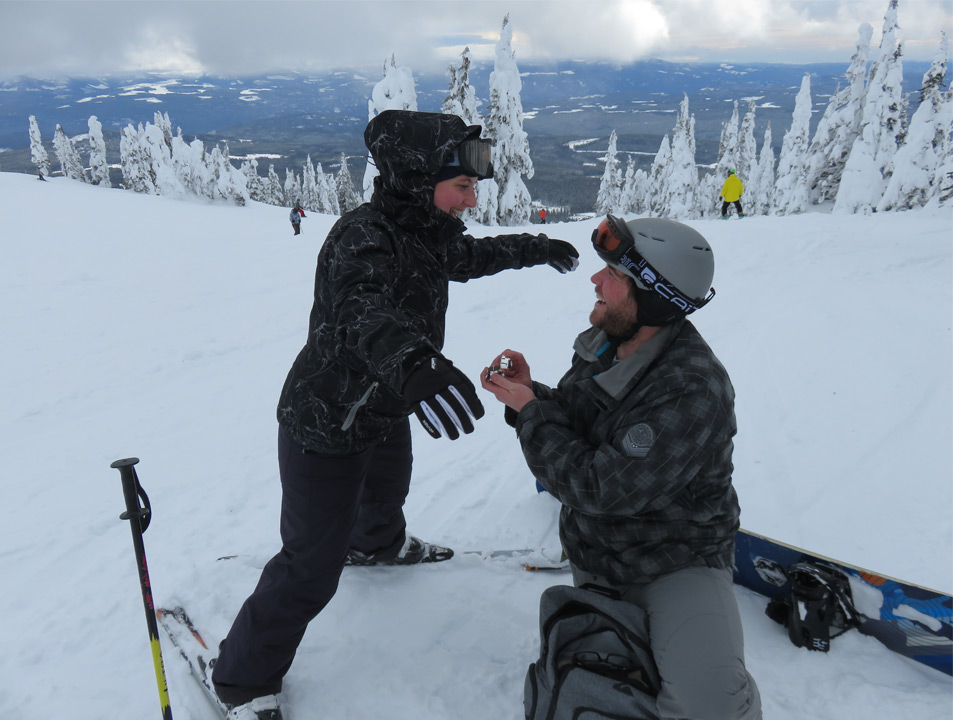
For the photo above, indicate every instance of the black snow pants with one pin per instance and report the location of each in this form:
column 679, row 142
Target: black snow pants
column 329, row 503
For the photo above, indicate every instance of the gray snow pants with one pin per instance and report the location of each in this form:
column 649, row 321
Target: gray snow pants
column 698, row 643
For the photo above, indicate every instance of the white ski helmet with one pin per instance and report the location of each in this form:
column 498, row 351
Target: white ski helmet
column 671, row 263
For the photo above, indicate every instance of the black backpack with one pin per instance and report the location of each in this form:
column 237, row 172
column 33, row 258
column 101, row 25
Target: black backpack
column 594, row 662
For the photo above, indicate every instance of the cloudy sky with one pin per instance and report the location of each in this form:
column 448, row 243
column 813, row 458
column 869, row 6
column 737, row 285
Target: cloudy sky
column 48, row 38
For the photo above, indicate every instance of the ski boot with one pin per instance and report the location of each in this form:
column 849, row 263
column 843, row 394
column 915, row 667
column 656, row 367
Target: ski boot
column 412, row 552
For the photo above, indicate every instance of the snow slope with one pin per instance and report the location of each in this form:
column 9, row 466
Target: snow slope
column 142, row 326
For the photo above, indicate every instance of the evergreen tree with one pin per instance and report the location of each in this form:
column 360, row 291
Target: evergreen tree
column 66, row 153
column 710, row 187
column 256, row 186
column 327, row 191
column 839, row 127
column 658, row 201
column 870, row 163
column 347, row 196
column 609, row 200
column 791, row 189
column 504, row 125
column 190, row 165
column 916, row 162
column 634, row 195
column 759, row 202
column 275, row 194
column 159, row 153
column 292, row 188
column 462, row 101
column 683, row 179
column 98, row 166
column 747, row 159
column 395, row 91
column 310, row 192
column 943, row 177
column 135, row 162
column 38, row 155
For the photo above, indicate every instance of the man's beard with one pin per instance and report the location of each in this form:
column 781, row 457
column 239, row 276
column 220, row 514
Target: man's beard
column 619, row 322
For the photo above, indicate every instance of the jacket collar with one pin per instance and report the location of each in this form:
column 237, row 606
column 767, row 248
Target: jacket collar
column 616, row 380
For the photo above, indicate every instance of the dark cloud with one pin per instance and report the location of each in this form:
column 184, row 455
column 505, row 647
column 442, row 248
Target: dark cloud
column 80, row 37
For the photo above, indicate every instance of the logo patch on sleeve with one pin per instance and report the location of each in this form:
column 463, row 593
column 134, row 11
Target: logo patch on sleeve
column 638, row 441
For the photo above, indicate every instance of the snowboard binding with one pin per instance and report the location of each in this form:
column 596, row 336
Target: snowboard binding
column 817, row 608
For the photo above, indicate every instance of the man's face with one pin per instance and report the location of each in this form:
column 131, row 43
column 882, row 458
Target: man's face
column 455, row 195
column 615, row 311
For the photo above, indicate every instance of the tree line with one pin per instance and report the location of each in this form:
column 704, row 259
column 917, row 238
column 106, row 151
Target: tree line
column 864, row 156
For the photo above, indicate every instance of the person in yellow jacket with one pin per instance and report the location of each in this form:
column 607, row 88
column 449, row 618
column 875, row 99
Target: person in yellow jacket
column 731, row 192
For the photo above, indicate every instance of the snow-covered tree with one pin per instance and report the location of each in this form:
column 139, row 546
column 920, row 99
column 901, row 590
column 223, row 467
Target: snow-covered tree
column 943, row 176
column 256, row 185
column 135, row 161
column 657, row 204
column 709, row 188
column 791, row 188
column 163, row 171
column 634, row 192
column 504, row 125
column 293, row 193
column 683, row 178
column 347, row 196
column 190, row 165
column 38, row 155
column 310, row 193
column 760, row 200
column 609, row 199
column 229, row 182
column 747, row 159
column 916, row 162
column 840, row 125
column 870, row 163
column 462, row 101
column 395, row 91
column 66, row 153
column 98, row 166
column 327, row 194
column 274, row 194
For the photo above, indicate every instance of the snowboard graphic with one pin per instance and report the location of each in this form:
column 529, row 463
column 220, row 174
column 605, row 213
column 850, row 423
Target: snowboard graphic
column 909, row 619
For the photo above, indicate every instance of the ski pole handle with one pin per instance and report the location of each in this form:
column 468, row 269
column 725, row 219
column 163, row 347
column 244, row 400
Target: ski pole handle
column 139, row 517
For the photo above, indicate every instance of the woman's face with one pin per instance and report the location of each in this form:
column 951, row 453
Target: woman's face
column 455, row 195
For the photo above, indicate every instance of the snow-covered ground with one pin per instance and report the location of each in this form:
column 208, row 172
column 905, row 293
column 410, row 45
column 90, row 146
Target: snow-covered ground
column 142, row 326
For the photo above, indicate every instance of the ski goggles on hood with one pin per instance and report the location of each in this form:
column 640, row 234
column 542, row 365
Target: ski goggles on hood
column 613, row 242
column 472, row 157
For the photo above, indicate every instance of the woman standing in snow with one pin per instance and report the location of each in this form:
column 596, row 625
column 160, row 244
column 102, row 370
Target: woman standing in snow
column 372, row 357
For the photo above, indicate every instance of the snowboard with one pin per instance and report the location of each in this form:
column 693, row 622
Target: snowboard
column 911, row 620
column 196, row 651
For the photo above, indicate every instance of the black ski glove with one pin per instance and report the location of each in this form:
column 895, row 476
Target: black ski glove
column 562, row 255
column 444, row 399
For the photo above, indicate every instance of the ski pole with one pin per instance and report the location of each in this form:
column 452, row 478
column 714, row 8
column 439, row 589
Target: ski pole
column 139, row 517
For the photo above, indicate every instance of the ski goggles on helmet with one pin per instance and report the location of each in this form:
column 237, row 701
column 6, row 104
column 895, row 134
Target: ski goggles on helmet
column 473, row 158
column 614, row 243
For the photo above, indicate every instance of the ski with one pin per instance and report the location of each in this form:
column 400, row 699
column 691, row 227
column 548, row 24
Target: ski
column 531, row 559
column 909, row 619
column 194, row 649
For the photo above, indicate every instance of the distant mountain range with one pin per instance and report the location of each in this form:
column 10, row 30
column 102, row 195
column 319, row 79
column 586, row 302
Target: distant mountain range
column 570, row 109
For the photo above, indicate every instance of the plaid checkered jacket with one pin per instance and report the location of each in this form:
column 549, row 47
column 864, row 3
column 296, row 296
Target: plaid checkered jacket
column 639, row 454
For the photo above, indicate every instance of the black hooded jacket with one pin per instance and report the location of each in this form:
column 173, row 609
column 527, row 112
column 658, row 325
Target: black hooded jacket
column 381, row 289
